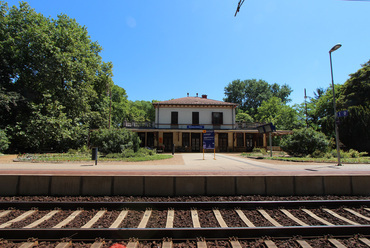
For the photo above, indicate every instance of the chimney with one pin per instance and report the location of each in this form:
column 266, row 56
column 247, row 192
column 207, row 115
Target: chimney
column 188, row 94
column 204, row 96
column 197, row 94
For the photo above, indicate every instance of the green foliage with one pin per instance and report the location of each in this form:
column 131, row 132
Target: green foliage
column 241, row 116
column 305, row 141
column 259, row 150
column 129, row 153
column 115, row 140
column 356, row 90
column 4, row 142
column 354, row 130
column 250, row 94
column 278, row 113
column 321, row 111
column 49, row 65
column 125, row 110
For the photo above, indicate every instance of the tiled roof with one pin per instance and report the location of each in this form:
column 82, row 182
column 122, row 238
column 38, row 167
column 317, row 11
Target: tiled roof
column 195, row 101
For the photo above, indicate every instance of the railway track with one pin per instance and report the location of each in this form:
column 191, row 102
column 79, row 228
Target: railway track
column 167, row 223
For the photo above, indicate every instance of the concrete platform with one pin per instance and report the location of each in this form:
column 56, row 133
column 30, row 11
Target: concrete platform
column 184, row 174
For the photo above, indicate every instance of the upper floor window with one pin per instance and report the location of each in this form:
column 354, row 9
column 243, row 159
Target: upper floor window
column 174, row 118
column 195, row 120
column 217, row 118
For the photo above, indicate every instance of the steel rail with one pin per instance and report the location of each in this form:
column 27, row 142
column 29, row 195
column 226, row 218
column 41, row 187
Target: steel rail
column 184, row 205
column 183, row 233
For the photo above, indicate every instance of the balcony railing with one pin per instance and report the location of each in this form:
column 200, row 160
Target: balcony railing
column 134, row 124
column 239, row 125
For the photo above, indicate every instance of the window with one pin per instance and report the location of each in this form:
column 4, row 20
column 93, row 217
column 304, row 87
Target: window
column 185, row 140
column 217, row 118
column 195, row 118
column 174, row 118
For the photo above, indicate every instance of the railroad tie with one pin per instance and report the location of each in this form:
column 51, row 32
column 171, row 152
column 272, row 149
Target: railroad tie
column 365, row 241
column 292, row 217
column 235, row 243
column 268, row 217
column 71, row 217
column 303, row 243
column 97, row 244
column 132, row 244
column 201, row 243
column 341, row 217
column 94, row 219
column 4, row 213
column 219, row 218
column 119, row 219
column 317, row 217
column 19, row 218
column 195, row 218
column 145, row 219
column 45, row 218
column 64, row 245
column 368, row 209
column 170, row 218
column 336, row 243
column 270, row 244
column 29, row 244
column 244, row 218
column 357, row 214
column 167, row 244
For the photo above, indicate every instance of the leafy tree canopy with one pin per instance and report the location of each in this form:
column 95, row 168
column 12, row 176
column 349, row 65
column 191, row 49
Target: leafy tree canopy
column 53, row 80
column 250, row 94
column 278, row 113
column 356, row 90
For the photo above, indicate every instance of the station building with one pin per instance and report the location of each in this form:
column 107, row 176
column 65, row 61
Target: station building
column 182, row 122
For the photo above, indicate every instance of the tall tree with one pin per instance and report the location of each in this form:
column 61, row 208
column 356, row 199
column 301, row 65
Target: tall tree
column 278, row 113
column 49, row 64
column 354, row 130
column 250, row 94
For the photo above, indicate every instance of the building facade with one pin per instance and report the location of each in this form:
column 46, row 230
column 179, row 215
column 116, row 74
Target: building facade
column 181, row 122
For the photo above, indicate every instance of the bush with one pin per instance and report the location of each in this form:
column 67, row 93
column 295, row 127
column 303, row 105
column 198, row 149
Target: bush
column 128, row 153
column 260, row 150
column 4, row 142
column 115, row 140
column 305, row 141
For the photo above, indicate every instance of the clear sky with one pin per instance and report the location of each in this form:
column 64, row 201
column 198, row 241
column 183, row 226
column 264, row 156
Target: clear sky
column 164, row 49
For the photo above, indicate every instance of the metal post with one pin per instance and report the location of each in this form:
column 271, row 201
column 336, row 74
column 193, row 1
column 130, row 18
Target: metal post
column 270, row 138
column 334, row 105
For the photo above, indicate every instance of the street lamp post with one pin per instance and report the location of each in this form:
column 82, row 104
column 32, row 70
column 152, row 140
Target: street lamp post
column 334, row 48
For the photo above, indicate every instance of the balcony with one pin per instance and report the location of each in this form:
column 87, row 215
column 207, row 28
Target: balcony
column 237, row 126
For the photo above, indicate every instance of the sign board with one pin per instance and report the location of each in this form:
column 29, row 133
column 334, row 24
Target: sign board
column 268, row 128
column 209, row 140
column 342, row 113
column 195, row 127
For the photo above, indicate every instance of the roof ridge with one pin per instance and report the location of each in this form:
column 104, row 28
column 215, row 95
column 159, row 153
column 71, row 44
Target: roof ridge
column 191, row 100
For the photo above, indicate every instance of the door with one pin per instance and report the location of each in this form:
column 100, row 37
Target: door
column 167, row 141
column 249, row 142
column 195, row 142
column 223, row 142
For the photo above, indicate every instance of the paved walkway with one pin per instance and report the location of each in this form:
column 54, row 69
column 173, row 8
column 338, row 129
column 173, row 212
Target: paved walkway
column 187, row 164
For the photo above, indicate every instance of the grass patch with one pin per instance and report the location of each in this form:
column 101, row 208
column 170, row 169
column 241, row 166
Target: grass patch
column 66, row 157
column 284, row 157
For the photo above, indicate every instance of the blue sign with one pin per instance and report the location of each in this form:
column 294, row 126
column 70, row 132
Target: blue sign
column 342, row 113
column 209, row 140
column 195, row 127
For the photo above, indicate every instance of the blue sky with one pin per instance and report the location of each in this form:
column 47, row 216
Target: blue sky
column 165, row 49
